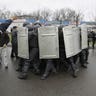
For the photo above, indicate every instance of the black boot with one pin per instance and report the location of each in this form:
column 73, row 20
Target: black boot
column 19, row 69
column 6, row 67
column 23, row 76
column 20, row 65
column 44, row 76
column 37, row 72
column 75, row 73
column 25, row 68
column 87, row 62
column 84, row 65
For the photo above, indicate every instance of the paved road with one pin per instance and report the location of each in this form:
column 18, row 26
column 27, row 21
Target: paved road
column 56, row 85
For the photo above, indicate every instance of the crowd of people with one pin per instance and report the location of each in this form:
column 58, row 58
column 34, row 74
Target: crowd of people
column 39, row 66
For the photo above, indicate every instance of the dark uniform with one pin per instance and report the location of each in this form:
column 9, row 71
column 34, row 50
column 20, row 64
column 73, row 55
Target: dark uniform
column 93, row 39
column 84, row 57
column 49, row 67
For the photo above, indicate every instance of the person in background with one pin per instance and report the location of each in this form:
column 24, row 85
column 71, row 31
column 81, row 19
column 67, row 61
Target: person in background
column 4, row 38
column 93, row 39
column 14, row 41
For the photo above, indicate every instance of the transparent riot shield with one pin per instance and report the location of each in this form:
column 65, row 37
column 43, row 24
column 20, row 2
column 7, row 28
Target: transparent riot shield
column 84, row 37
column 77, row 40
column 48, row 42
column 71, row 40
column 68, row 41
column 23, row 45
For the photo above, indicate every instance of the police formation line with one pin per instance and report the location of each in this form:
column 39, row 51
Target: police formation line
column 46, row 49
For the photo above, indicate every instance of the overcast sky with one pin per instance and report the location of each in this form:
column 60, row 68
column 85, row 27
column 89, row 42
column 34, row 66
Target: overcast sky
column 88, row 7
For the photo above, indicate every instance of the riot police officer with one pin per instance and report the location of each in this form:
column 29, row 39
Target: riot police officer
column 84, row 46
column 70, row 60
column 33, row 53
column 47, row 55
column 82, row 59
column 86, row 55
column 93, row 39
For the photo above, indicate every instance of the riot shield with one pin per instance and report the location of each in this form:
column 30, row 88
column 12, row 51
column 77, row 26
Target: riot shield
column 48, row 42
column 23, row 45
column 68, row 41
column 71, row 40
column 84, row 37
column 77, row 40
column 18, row 23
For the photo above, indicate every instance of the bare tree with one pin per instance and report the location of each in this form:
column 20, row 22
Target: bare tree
column 36, row 14
column 4, row 13
column 78, row 17
column 56, row 15
column 45, row 14
column 68, row 14
column 64, row 14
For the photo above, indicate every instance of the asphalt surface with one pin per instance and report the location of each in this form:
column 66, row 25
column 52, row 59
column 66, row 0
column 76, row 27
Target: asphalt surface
column 60, row 84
